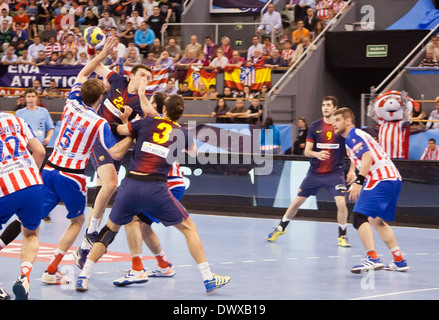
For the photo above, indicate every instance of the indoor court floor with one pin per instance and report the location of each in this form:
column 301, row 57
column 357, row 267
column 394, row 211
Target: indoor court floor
column 303, row 264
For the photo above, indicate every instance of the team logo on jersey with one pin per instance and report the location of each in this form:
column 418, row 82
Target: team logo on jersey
column 358, row 147
column 101, row 158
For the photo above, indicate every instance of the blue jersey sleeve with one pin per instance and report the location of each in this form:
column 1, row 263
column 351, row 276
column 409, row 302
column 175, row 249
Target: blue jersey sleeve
column 75, row 92
column 356, row 143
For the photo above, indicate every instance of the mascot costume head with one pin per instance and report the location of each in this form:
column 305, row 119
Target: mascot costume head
column 391, row 110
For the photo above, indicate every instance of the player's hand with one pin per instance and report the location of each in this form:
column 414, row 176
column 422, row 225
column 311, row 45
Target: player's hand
column 354, row 191
column 109, row 45
column 350, row 178
column 124, row 113
column 143, row 83
column 323, row 155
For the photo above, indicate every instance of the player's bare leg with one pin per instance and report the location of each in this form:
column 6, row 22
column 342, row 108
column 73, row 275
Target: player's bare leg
column 342, row 219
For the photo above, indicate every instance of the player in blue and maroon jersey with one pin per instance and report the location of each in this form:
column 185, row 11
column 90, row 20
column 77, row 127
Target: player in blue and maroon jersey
column 145, row 189
column 326, row 151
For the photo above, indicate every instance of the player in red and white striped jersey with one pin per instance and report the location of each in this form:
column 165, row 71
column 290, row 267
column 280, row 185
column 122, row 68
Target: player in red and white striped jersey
column 21, row 191
column 431, row 152
column 63, row 174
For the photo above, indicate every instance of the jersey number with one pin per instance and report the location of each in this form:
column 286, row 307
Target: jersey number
column 164, row 135
column 67, row 136
column 118, row 102
column 16, row 153
column 329, row 135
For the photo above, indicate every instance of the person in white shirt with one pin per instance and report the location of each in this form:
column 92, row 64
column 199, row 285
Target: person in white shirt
column 6, row 17
column 256, row 45
column 35, row 48
column 434, row 115
column 220, row 61
column 135, row 19
column 273, row 18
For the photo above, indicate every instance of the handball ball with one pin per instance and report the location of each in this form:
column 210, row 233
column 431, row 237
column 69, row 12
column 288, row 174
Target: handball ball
column 93, row 35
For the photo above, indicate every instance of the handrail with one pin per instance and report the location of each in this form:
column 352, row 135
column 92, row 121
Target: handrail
column 271, row 91
column 216, row 24
column 398, row 67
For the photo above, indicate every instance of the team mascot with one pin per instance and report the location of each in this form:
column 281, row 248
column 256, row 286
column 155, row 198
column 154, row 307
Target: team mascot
column 392, row 112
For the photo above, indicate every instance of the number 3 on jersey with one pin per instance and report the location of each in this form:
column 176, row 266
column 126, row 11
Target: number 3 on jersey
column 162, row 137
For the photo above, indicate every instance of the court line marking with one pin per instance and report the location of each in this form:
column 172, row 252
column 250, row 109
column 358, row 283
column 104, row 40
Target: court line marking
column 395, row 293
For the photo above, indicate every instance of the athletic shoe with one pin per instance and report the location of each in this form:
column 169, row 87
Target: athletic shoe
column 56, row 278
column 90, row 238
column 80, row 256
column 216, row 283
column 81, row 284
column 21, row 288
column 4, row 295
column 343, row 242
column 169, row 271
column 275, row 234
column 368, row 265
column 132, row 277
column 397, row 266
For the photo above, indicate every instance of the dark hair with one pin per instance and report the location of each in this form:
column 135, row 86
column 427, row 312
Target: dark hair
column 91, row 91
column 332, row 99
column 174, row 104
column 268, row 122
column 30, row 90
column 304, row 121
column 140, row 66
column 159, row 99
column 432, row 140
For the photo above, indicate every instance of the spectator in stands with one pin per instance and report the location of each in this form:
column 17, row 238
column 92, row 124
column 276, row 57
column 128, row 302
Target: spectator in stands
column 106, row 23
column 148, row 8
column 133, row 5
column 174, row 50
column 4, row 4
column 434, row 115
column 6, row 35
column 239, row 112
column 185, row 91
column 54, row 59
column 429, row 61
column 254, row 112
column 227, row 93
column 287, row 52
column 42, row 59
column 300, row 33
column 275, row 61
column 156, row 22
column 257, row 60
column 127, row 36
column 193, row 46
column 262, row 93
column 255, row 46
column 115, row 63
column 209, row 48
column 211, row 93
column 10, row 57
column 136, row 19
column 91, row 6
column 36, row 117
column 301, row 48
column 143, row 38
column 21, row 18
column 156, row 48
column 337, row 5
column 169, row 88
column 47, row 33
column 82, row 60
column 61, row 20
column 236, row 60
column 322, row 8
column 165, row 61
column 6, row 17
column 431, row 152
column 35, row 48
column 36, row 85
column 225, row 46
column 52, row 46
column 202, row 61
column 300, row 9
column 70, row 46
column 104, row 6
column 165, row 9
column 150, row 61
column 69, row 59
column 310, row 19
column 21, row 102
column 220, row 111
column 132, row 59
column 268, row 134
column 201, row 91
column 318, row 29
column 268, row 47
column 76, row 10
column 19, row 34
column 299, row 144
column 246, row 93
column 220, row 61
column 62, row 34
column 44, row 12
column 329, row 18
column 417, row 114
column 82, row 47
column 52, row 91
column 433, row 46
column 271, row 22
column 91, row 19
column 25, row 58
column 187, row 61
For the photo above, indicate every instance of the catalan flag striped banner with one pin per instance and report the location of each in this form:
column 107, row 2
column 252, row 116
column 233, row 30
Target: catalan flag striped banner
column 194, row 77
column 159, row 77
column 237, row 78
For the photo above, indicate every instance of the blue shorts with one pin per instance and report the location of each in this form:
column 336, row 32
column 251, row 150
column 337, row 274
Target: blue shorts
column 154, row 197
column 100, row 156
column 26, row 203
column 334, row 182
column 69, row 188
column 380, row 201
column 177, row 192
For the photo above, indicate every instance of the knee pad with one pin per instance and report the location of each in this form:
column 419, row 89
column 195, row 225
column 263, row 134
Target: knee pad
column 106, row 236
column 358, row 219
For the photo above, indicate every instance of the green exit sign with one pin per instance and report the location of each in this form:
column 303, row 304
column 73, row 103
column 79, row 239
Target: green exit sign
column 376, row 51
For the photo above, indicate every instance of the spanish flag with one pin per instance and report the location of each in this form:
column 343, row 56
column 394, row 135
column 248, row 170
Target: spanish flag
column 237, row 78
column 194, row 77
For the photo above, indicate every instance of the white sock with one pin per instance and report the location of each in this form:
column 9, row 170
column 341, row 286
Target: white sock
column 93, row 227
column 343, row 226
column 205, row 271
column 87, row 269
column 285, row 219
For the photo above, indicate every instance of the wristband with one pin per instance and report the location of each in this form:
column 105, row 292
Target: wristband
column 360, row 179
column 91, row 50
